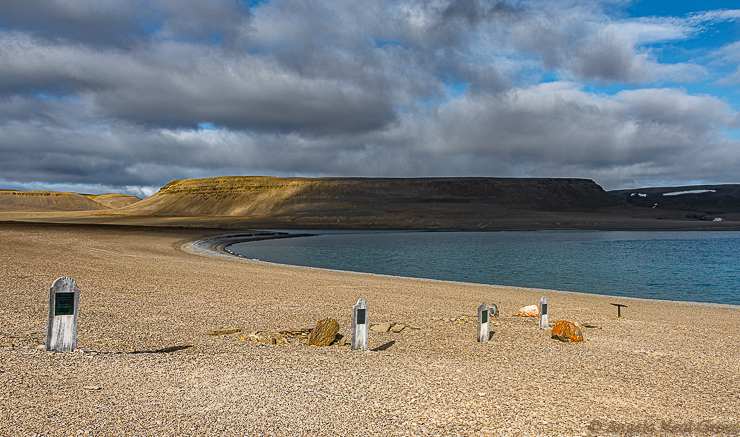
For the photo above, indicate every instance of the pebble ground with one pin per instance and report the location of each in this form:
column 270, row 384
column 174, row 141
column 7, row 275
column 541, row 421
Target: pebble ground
column 148, row 368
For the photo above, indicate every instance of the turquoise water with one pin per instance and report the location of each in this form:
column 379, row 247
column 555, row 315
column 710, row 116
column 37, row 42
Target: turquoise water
column 685, row 266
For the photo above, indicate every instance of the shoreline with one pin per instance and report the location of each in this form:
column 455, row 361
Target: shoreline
column 522, row 220
column 218, row 246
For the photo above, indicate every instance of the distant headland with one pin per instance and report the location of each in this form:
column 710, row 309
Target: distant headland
column 470, row 203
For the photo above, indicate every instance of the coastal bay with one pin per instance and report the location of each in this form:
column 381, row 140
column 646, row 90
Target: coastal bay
column 690, row 266
column 148, row 367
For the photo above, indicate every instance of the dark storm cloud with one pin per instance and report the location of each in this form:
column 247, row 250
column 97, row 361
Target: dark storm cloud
column 224, row 22
column 115, row 22
column 476, row 11
column 610, row 57
column 178, row 85
column 93, row 22
column 136, row 93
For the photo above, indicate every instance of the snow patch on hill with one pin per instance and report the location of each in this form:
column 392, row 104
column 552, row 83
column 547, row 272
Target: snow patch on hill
column 677, row 193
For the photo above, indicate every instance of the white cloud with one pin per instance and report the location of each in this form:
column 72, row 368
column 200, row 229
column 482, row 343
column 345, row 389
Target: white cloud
column 729, row 55
column 409, row 88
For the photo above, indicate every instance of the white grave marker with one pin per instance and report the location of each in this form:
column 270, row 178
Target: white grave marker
column 360, row 325
column 543, row 313
column 483, row 315
column 61, row 328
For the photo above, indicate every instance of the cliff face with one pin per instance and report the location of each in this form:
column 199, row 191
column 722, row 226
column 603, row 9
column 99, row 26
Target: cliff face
column 265, row 197
column 46, row 201
column 367, row 203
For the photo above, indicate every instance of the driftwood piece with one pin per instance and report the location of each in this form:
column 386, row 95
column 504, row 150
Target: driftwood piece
column 225, row 331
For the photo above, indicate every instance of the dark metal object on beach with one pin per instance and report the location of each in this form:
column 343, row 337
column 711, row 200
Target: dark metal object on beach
column 619, row 308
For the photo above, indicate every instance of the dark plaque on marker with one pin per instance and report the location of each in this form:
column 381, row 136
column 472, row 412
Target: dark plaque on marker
column 361, row 316
column 484, row 316
column 544, row 308
column 64, row 304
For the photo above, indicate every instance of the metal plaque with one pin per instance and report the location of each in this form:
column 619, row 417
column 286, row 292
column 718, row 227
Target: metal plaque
column 64, row 304
column 544, row 309
column 361, row 316
column 484, row 316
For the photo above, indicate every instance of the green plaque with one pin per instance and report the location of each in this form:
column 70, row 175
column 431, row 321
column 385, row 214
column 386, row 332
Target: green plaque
column 361, row 316
column 64, row 304
column 484, row 316
column 544, row 309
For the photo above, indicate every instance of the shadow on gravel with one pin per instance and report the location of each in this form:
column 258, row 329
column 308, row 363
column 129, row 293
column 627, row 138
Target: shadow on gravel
column 166, row 350
column 383, row 347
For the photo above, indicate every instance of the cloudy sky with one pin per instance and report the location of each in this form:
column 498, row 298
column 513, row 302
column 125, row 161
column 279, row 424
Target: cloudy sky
column 126, row 95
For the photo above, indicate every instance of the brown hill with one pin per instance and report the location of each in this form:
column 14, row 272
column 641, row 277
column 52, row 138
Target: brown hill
column 371, row 202
column 32, row 201
column 114, row 200
column 363, row 203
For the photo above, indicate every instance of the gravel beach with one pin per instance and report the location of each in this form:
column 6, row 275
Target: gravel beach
column 148, row 366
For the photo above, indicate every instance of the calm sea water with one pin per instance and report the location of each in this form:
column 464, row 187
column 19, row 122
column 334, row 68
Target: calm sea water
column 686, row 266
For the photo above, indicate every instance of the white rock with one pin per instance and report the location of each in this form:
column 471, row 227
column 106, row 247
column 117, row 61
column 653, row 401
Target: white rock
column 529, row 311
